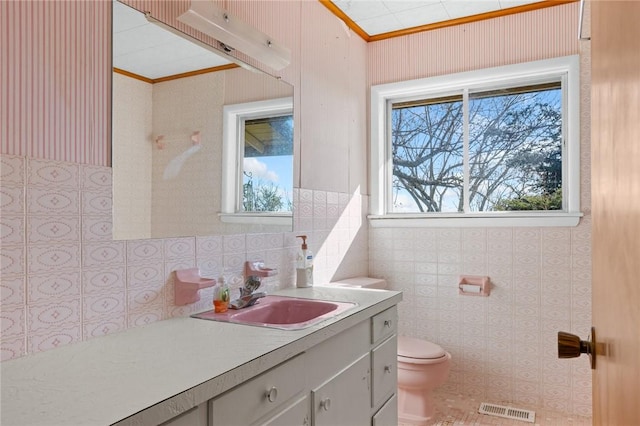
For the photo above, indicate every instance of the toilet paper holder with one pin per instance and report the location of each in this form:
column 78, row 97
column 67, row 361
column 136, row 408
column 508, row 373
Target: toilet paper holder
column 474, row 285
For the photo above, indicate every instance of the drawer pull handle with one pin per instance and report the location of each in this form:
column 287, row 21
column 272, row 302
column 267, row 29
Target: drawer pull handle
column 387, row 323
column 272, row 394
column 387, row 368
column 325, row 404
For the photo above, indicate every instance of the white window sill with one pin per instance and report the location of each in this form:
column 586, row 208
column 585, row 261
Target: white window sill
column 283, row 219
column 474, row 220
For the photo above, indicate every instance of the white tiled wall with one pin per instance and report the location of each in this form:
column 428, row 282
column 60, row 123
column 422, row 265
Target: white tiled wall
column 504, row 346
column 65, row 280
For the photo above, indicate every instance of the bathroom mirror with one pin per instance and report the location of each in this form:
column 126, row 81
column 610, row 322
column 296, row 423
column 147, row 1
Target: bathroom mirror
column 167, row 137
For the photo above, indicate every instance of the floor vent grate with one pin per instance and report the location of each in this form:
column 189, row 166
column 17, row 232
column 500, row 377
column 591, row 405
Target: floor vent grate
column 507, row 412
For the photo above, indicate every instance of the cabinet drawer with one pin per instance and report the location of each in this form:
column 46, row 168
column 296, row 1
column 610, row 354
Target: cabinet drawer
column 345, row 399
column 384, row 366
column 297, row 414
column 384, row 324
column 258, row 397
column 388, row 414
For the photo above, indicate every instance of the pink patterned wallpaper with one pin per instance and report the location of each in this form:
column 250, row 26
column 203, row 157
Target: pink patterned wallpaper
column 56, row 89
column 524, row 37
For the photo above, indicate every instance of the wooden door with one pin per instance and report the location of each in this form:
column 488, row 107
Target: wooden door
column 615, row 55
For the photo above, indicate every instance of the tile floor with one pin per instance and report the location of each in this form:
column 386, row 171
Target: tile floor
column 458, row 410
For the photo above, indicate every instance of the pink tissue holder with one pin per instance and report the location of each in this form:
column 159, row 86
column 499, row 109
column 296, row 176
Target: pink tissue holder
column 474, row 285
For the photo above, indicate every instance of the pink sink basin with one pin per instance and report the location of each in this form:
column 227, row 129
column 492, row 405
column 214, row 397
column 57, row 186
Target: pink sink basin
column 287, row 313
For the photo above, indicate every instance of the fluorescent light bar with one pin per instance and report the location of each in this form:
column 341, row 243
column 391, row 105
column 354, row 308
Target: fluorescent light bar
column 207, row 18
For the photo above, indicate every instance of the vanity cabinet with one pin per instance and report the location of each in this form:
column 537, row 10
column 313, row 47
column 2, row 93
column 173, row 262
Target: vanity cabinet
column 347, row 379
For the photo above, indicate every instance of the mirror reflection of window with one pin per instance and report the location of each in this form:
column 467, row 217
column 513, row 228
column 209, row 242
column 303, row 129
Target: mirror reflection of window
column 166, row 85
column 266, row 171
column 257, row 166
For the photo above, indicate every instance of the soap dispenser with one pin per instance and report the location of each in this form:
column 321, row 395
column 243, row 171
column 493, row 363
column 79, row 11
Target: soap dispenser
column 304, row 265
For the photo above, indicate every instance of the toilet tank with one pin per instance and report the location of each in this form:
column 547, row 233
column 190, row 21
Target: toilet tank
column 362, row 282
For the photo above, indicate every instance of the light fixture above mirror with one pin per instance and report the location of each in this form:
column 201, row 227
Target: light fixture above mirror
column 235, row 34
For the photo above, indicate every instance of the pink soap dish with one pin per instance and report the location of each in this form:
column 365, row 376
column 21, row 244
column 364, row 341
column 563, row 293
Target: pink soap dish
column 188, row 283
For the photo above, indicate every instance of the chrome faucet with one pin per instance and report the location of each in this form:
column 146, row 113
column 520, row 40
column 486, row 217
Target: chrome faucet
column 253, row 271
column 247, row 296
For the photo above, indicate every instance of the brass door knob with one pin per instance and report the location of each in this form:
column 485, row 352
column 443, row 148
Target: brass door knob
column 570, row 346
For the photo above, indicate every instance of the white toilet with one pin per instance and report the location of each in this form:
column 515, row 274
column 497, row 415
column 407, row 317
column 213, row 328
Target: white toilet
column 422, row 366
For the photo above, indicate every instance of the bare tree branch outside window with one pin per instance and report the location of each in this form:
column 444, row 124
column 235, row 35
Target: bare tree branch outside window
column 515, row 152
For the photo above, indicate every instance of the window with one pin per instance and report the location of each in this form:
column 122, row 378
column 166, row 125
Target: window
column 258, row 162
column 483, row 148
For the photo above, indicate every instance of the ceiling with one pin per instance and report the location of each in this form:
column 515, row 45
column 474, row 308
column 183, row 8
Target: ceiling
column 146, row 50
column 378, row 19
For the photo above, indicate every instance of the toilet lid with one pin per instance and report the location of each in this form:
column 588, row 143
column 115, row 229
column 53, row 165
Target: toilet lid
column 410, row 347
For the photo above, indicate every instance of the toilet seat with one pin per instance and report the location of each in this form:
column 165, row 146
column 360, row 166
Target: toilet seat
column 418, row 351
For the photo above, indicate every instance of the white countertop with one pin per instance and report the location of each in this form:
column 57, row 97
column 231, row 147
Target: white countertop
column 184, row 360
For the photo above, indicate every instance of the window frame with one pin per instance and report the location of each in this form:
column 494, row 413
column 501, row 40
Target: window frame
column 382, row 96
column 233, row 117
